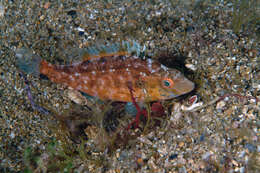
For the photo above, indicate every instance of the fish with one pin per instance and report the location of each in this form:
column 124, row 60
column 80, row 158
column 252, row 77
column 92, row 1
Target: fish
column 107, row 72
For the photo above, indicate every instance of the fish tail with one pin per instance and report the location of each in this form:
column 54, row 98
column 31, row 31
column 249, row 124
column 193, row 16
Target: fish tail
column 28, row 62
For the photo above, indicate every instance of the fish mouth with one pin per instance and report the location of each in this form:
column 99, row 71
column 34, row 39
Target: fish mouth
column 182, row 87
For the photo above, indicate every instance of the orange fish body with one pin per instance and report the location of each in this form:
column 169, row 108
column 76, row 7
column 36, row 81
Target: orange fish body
column 108, row 76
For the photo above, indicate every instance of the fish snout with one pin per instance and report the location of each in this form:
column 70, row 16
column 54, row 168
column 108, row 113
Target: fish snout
column 183, row 86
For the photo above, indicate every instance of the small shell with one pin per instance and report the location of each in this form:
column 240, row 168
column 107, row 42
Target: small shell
column 75, row 96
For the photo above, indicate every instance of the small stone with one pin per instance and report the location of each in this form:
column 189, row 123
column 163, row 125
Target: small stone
column 181, row 144
column 42, row 17
column 47, row 5
column 12, row 135
column 256, row 86
column 191, row 67
column 206, row 155
column 234, row 162
column 145, row 140
column 162, row 151
column 140, row 161
column 220, row 105
column 190, row 54
column 2, row 10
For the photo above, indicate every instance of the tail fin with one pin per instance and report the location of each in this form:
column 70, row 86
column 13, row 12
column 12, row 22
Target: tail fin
column 28, row 62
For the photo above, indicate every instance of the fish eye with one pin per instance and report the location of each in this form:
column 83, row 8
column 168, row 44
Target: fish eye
column 167, row 83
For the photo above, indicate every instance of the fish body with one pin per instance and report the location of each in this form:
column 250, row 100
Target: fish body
column 108, row 76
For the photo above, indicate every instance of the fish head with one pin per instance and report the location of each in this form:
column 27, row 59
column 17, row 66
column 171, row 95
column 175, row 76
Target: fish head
column 167, row 85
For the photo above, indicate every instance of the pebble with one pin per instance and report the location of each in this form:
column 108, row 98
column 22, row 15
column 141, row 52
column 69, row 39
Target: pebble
column 2, row 10
column 191, row 67
column 220, row 105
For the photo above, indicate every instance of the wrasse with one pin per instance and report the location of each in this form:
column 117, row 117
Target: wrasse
column 107, row 71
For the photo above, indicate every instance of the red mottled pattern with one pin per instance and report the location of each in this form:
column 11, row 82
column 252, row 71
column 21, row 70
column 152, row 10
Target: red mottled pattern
column 108, row 76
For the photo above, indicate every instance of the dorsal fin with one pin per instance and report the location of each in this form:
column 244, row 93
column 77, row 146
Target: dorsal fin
column 91, row 57
column 122, row 48
column 96, row 51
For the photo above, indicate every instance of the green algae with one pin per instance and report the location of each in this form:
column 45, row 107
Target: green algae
column 54, row 159
column 245, row 15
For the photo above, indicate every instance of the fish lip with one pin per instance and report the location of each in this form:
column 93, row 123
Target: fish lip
column 172, row 96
